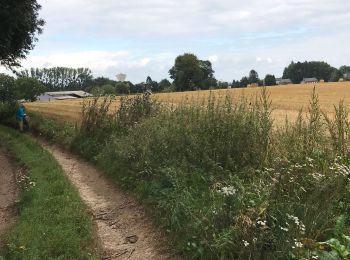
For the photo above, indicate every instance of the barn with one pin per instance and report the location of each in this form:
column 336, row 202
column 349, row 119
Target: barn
column 309, row 81
column 62, row 95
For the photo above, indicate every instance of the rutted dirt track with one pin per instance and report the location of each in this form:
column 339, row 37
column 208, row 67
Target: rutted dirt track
column 8, row 194
column 124, row 231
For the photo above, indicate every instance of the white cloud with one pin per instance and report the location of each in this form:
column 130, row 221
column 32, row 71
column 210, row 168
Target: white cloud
column 143, row 38
column 213, row 58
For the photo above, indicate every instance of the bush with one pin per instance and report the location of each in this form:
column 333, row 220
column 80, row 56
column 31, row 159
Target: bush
column 28, row 88
column 221, row 180
column 7, row 87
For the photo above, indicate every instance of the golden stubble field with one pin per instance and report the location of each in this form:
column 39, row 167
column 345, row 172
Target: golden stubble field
column 286, row 100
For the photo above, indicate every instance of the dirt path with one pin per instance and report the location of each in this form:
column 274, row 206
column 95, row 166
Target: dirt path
column 9, row 194
column 122, row 227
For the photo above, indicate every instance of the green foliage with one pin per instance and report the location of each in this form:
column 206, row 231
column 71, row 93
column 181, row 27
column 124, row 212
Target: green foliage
column 222, row 181
column 244, row 82
column 53, row 222
column 189, row 73
column 7, row 88
column 28, row 88
column 7, row 96
column 270, row 80
column 318, row 69
column 62, row 78
column 344, row 69
column 164, row 85
column 18, row 28
column 122, row 88
column 253, row 77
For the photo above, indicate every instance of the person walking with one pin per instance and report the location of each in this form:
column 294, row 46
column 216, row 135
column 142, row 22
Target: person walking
column 20, row 116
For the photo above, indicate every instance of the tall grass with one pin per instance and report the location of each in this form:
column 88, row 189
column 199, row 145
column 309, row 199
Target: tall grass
column 222, row 180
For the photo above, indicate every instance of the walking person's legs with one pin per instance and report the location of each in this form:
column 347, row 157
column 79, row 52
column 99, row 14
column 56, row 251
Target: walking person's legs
column 20, row 123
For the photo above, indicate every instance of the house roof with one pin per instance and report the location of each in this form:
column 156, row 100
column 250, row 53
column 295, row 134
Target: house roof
column 64, row 97
column 286, row 81
column 310, row 80
column 78, row 93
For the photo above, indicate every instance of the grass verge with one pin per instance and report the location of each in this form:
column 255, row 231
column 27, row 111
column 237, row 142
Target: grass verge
column 53, row 222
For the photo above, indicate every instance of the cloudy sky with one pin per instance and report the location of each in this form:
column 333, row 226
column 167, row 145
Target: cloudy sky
column 143, row 37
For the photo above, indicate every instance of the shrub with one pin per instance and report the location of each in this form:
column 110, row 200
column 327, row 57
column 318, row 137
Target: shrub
column 221, row 180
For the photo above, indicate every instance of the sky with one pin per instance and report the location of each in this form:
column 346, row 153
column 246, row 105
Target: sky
column 143, row 37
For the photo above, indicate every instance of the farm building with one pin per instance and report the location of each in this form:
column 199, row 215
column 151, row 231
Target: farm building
column 309, row 80
column 281, row 81
column 253, row 85
column 62, row 95
column 346, row 76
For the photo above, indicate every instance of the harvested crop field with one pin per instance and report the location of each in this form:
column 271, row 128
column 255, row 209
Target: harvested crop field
column 286, row 100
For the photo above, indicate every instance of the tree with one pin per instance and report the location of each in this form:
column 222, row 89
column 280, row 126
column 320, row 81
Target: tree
column 235, row 84
column 164, row 84
column 209, row 80
column 62, row 78
column 100, row 81
column 187, row 73
column 222, row 84
column 344, row 69
column 244, row 82
column 108, row 89
column 270, row 80
column 122, row 88
column 28, row 88
column 318, row 69
column 18, row 29
column 335, row 76
column 253, row 77
column 7, row 88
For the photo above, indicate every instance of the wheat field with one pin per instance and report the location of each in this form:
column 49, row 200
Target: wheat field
column 286, row 100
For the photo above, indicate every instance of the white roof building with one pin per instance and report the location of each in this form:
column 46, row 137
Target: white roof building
column 62, row 95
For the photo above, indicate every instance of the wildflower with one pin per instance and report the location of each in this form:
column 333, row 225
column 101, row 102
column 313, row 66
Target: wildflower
column 297, row 244
column 284, row 229
column 245, row 243
column 314, row 257
column 262, row 224
column 228, row 191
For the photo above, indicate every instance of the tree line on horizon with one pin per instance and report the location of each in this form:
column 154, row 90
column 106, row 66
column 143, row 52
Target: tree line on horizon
column 188, row 73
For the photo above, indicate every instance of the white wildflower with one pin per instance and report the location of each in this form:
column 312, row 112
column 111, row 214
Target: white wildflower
column 246, row 243
column 228, row 191
column 284, row 229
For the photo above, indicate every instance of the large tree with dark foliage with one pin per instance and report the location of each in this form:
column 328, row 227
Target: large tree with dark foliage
column 190, row 73
column 270, row 80
column 318, row 69
column 19, row 25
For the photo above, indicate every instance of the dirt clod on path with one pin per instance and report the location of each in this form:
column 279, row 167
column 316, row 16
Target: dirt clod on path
column 9, row 194
column 123, row 230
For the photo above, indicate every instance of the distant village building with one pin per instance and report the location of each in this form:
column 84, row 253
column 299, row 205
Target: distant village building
column 62, row 95
column 346, row 76
column 281, row 81
column 252, row 85
column 309, row 81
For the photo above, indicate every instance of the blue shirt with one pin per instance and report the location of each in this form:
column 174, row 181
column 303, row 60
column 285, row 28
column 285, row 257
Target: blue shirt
column 21, row 113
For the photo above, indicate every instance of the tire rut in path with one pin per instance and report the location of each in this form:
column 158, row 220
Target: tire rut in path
column 123, row 230
column 9, row 194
